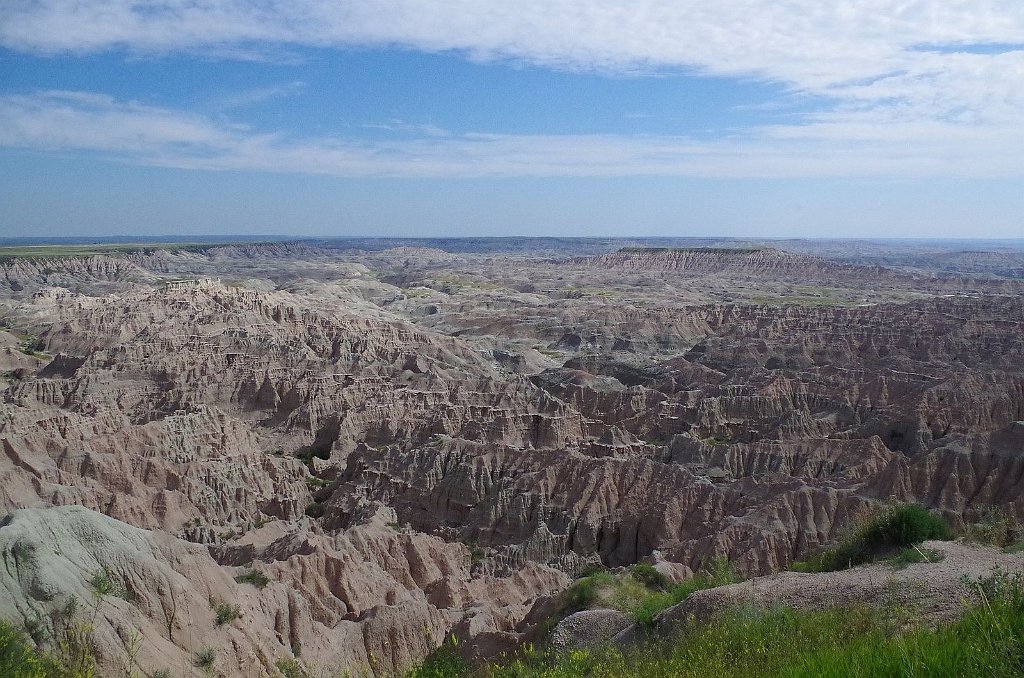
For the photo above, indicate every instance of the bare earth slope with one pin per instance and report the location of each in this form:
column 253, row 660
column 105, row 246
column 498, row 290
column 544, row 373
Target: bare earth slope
column 412, row 442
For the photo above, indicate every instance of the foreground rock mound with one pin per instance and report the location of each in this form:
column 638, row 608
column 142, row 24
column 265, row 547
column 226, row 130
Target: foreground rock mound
column 937, row 591
column 368, row 598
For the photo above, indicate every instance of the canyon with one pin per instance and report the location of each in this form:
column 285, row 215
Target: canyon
column 415, row 440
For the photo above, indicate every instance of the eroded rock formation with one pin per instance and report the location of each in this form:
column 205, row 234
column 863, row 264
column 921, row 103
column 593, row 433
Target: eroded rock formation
column 412, row 442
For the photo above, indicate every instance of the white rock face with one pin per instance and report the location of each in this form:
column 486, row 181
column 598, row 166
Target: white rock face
column 357, row 599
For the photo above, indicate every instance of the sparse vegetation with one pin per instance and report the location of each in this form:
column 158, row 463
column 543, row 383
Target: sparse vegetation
column 314, row 509
column 205, row 658
column 641, row 594
column 254, row 577
column 225, row 612
column 835, row 643
column 995, row 527
column 104, row 584
column 915, row 554
column 23, row 552
column 881, row 534
column 649, row 576
column 443, row 662
column 71, row 655
column 290, row 668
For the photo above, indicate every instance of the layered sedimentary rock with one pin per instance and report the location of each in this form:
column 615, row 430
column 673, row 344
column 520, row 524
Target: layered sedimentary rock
column 410, row 443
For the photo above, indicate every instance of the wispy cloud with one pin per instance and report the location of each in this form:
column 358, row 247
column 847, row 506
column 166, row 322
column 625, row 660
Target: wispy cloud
column 849, row 144
column 955, row 107
column 240, row 99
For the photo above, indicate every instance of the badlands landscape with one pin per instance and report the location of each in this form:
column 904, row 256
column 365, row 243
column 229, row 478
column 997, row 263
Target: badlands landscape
column 335, row 456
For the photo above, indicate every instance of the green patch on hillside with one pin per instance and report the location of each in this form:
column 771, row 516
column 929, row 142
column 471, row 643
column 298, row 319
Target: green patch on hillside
column 887, row 533
column 860, row 641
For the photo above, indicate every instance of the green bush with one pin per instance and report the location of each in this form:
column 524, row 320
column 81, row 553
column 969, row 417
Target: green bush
column 444, row 662
column 886, row 532
column 718, row 572
column 995, row 527
column 225, row 612
column 73, row 655
column 254, row 577
column 104, row 584
column 589, row 569
column 290, row 668
column 649, row 577
column 205, row 657
column 17, row 656
column 583, row 592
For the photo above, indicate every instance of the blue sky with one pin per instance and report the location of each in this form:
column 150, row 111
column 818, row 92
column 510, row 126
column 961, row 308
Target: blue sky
column 786, row 118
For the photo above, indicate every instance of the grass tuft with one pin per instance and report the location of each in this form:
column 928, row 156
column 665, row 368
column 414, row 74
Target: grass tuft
column 205, row 657
column 225, row 612
column 254, row 577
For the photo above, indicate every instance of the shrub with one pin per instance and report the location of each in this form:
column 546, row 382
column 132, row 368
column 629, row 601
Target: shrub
column 590, row 569
column 583, row 592
column 73, row 656
column 104, row 584
column 995, row 527
column 205, row 657
column 315, row 510
column 290, row 668
column 444, row 662
column 254, row 577
column 225, row 612
column 894, row 527
column 649, row 576
column 17, row 656
column 718, row 572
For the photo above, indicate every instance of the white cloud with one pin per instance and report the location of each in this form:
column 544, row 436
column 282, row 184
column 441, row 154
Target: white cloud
column 893, row 104
column 851, row 144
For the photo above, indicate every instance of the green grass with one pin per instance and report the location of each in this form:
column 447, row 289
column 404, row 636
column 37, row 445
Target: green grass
column 205, row 658
column 444, row 662
column 225, row 612
column 914, row 554
column 290, row 668
column 71, row 657
column 254, row 577
column 642, row 593
column 717, row 573
column 995, row 527
column 885, row 533
column 835, row 643
column 649, row 577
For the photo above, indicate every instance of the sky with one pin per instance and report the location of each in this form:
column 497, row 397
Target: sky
column 787, row 118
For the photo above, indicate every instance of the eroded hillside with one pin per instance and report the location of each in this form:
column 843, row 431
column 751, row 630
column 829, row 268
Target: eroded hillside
column 414, row 442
